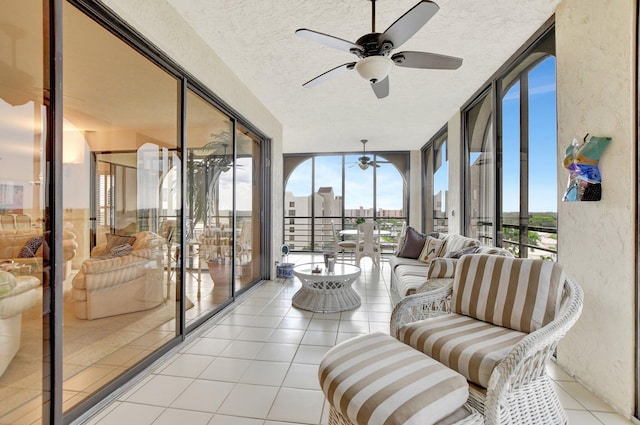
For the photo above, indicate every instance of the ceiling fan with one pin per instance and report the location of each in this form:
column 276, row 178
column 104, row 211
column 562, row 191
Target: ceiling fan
column 374, row 49
column 364, row 161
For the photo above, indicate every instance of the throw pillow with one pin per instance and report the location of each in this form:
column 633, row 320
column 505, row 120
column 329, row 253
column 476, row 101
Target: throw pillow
column 114, row 240
column 31, row 247
column 413, row 242
column 463, row 251
column 121, row 250
column 432, row 248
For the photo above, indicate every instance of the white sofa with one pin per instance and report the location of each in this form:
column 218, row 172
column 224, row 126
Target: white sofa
column 409, row 275
column 13, row 245
column 111, row 285
column 13, row 302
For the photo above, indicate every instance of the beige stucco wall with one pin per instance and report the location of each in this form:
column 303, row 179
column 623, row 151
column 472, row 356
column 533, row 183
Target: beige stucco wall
column 161, row 25
column 595, row 45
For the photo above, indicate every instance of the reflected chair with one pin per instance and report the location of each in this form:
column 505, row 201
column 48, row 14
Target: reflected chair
column 340, row 245
column 23, row 222
column 7, row 222
column 368, row 243
column 243, row 247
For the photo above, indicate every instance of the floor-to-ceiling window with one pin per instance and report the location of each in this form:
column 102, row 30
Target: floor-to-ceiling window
column 529, row 183
column 209, row 206
column 121, row 133
column 325, row 188
column 480, row 176
column 25, row 228
column 92, row 198
column 511, row 199
column 435, row 159
column 248, row 208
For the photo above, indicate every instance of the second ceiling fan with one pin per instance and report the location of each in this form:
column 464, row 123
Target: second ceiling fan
column 374, row 49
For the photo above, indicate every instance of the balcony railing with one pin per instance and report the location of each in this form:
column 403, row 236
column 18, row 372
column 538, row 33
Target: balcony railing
column 313, row 234
column 527, row 242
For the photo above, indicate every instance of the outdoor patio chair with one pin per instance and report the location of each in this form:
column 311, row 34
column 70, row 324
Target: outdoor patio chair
column 340, row 245
column 368, row 243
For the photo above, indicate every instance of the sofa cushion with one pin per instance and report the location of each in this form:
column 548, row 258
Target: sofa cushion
column 373, row 379
column 493, row 250
column 467, row 345
column 395, row 262
column 517, row 293
column 456, row 242
column 114, row 240
column 464, row 251
column 442, row 268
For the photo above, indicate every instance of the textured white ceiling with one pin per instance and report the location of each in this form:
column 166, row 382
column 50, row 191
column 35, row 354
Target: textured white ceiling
column 256, row 40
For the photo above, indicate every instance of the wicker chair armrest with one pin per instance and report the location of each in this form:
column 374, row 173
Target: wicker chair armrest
column 420, row 306
column 526, row 362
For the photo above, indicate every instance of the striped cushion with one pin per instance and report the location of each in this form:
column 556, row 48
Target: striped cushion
column 516, row 293
column 374, row 380
column 469, row 346
column 442, row 267
column 457, row 242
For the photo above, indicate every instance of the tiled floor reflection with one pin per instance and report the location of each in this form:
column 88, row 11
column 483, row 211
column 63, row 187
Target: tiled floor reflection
column 257, row 365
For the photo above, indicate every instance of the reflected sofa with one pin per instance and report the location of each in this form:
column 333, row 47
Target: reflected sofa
column 109, row 285
column 16, row 296
column 16, row 246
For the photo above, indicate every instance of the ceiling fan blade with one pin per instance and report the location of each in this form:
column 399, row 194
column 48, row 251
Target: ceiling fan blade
column 409, row 23
column 381, row 88
column 334, row 72
column 426, row 60
column 328, row 40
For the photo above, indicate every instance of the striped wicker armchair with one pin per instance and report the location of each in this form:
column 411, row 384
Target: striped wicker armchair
column 497, row 324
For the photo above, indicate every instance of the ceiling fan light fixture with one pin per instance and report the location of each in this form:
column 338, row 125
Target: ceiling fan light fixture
column 374, row 68
column 363, row 165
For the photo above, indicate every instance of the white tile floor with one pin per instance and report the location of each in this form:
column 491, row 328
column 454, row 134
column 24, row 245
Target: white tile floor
column 257, row 365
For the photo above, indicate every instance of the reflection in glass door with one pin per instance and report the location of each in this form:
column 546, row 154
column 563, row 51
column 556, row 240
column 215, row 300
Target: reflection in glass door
column 209, row 218
column 248, row 201
column 25, row 286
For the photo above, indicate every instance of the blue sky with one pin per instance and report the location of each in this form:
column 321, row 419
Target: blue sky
column 542, row 158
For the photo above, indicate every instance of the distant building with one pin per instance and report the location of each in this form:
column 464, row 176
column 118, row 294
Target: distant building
column 326, row 207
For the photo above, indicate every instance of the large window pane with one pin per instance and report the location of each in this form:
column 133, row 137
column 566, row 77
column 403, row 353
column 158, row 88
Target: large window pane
column 543, row 196
column 358, row 192
column 120, row 156
column 511, row 168
column 209, row 206
column 481, row 172
column 314, row 199
column 23, row 185
column 297, row 204
column 436, row 181
column 248, row 196
column 328, row 199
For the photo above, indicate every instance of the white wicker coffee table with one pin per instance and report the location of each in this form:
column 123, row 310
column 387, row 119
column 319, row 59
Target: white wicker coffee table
column 326, row 292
